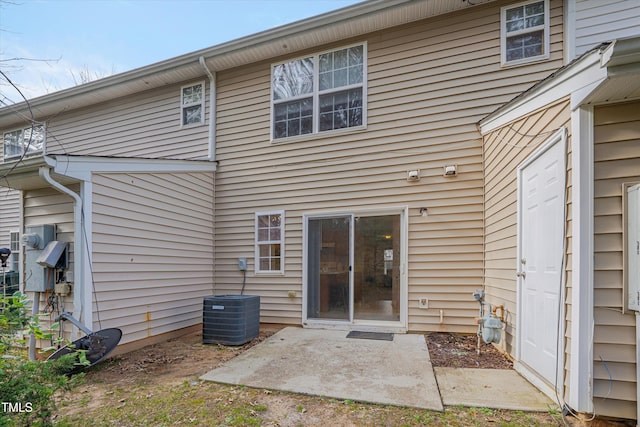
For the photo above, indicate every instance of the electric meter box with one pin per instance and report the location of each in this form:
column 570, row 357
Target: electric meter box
column 35, row 239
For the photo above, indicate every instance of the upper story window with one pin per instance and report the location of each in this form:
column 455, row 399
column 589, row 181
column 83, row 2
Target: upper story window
column 525, row 32
column 192, row 104
column 269, row 242
column 319, row 93
column 25, row 142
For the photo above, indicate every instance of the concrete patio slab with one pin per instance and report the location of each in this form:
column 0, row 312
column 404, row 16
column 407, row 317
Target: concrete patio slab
column 326, row 363
column 490, row 388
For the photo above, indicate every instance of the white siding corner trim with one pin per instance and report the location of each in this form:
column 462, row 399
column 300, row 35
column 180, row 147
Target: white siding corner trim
column 581, row 373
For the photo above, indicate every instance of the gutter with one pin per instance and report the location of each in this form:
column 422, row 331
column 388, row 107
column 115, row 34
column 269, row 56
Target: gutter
column 78, row 286
column 212, row 109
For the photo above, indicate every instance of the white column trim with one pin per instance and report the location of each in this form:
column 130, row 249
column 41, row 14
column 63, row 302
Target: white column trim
column 86, row 241
column 580, row 396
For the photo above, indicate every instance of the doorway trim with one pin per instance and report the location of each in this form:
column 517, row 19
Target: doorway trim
column 558, row 137
column 400, row 326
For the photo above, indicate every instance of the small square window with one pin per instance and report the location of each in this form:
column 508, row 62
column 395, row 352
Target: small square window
column 525, row 32
column 269, row 250
column 192, row 105
column 26, row 142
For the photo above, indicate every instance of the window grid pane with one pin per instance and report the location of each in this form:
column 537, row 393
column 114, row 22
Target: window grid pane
column 525, row 46
column 293, row 78
column 341, row 110
column 293, row 118
column 525, row 17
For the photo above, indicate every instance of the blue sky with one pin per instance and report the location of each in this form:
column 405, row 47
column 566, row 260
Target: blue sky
column 104, row 37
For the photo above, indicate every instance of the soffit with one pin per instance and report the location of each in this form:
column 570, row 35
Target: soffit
column 345, row 23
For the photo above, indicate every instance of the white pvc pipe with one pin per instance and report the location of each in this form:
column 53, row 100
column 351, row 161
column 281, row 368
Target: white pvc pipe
column 212, row 110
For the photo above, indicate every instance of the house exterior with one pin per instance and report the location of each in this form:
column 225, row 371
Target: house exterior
column 371, row 167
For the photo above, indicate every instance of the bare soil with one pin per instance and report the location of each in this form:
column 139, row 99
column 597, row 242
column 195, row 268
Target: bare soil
column 159, row 385
column 461, row 351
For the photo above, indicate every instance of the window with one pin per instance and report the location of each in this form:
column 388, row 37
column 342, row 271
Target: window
column 192, row 104
column 28, row 141
column 319, row 93
column 14, row 237
column 525, row 32
column 270, row 242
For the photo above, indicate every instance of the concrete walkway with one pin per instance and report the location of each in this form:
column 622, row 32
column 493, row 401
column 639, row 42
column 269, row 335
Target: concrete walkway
column 398, row 372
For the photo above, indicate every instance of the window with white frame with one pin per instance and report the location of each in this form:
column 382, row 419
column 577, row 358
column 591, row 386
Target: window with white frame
column 192, row 104
column 14, row 245
column 525, row 32
column 319, row 93
column 24, row 142
column 269, row 242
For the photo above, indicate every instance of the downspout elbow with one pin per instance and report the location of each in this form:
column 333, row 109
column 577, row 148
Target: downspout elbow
column 212, row 109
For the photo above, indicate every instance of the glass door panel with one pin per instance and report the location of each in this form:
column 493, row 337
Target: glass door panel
column 328, row 268
column 377, row 268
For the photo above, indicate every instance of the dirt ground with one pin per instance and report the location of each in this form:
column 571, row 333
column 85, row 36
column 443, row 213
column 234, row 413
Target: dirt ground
column 460, row 351
column 158, row 385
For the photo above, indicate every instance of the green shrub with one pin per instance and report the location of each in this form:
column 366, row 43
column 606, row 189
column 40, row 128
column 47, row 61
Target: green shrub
column 27, row 387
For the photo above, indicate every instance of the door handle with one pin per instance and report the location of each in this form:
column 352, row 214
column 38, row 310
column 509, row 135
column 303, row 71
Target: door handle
column 522, row 274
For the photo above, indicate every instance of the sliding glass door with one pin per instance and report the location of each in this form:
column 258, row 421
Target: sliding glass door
column 353, row 268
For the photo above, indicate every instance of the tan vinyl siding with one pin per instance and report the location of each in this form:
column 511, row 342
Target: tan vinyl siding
column 9, row 215
column 598, row 21
column 142, row 125
column 48, row 206
column 617, row 161
column 152, row 251
column 504, row 150
column 428, row 85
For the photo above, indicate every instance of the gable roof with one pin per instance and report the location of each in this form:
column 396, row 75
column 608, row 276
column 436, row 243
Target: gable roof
column 348, row 22
column 608, row 72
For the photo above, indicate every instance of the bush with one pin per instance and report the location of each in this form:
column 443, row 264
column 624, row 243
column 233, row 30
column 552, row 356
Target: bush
column 27, row 387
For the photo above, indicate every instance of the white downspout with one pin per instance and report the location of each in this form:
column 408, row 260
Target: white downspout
column 212, row 110
column 78, row 286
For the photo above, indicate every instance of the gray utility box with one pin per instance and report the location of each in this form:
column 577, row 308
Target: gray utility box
column 230, row 319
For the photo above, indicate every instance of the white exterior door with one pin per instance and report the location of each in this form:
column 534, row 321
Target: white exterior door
column 541, row 181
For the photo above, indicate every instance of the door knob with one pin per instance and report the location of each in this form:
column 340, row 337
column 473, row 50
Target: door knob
column 521, row 274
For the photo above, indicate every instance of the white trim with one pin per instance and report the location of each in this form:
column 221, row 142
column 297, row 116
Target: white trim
column 256, row 254
column 504, row 34
column 558, row 137
column 581, row 358
column 316, row 93
column 202, row 104
column 86, row 242
column 584, row 72
column 81, row 167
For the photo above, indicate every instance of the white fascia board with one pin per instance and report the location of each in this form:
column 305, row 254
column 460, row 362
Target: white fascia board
column 81, row 167
column 584, row 73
